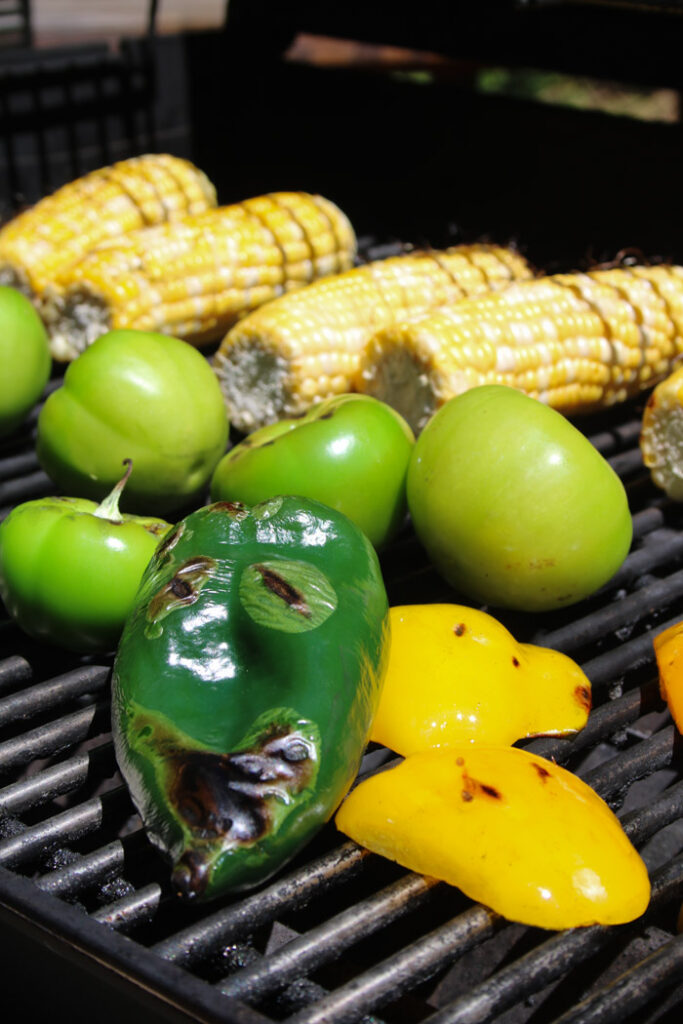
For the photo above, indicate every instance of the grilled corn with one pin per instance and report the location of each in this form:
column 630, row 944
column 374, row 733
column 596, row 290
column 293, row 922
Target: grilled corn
column 661, row 435
column 43, row 240
column 195, row 277
column 577, row 342
column 305, row 347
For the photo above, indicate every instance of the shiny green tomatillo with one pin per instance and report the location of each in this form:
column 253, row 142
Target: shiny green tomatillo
column 69, row 569
column 138, row 395
column 350, row 452
column 245, row 684
column 25, row 360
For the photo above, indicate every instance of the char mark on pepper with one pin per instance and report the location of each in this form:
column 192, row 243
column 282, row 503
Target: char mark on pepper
column 279, row 586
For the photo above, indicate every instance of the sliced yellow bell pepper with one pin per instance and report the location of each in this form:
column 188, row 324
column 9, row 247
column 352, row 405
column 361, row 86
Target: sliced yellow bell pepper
column 668, row 647
column 457, row 674
column 512, row 830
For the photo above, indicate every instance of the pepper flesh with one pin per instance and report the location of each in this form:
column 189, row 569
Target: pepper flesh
column 245, row 684
column 457, row 674
column 511, row 830
column 668, row 647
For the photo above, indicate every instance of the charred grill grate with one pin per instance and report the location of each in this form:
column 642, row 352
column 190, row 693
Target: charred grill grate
column 343, row 935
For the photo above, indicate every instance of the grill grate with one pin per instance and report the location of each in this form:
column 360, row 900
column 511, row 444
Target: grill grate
column 343, row 935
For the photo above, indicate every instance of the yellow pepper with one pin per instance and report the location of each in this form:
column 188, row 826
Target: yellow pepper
column 456, row 674
column 512, row 830
column 668, row 647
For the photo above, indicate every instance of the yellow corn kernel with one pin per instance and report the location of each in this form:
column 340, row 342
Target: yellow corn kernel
column 456, row 675
column 42, row 241
column 305, row 347
column 661, row 435
column 575, row 341
column 194, row 277
column 512, row 830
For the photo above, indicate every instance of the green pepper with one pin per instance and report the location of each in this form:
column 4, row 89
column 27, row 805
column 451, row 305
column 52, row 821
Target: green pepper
column 70, row 569
column 25, row 360
column 245, row 684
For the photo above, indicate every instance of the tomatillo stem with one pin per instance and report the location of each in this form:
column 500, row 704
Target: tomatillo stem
column 109, row 506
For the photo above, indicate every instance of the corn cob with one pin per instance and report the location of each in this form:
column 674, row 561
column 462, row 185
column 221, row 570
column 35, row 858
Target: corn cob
column 195, row 277
column 305, row 347
column 577, row 342
column 661, row 436
column 43, row 240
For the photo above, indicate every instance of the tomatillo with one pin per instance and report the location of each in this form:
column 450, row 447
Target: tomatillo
column 139, row 395
column 70, row 569
column 351, row 452
column 25, row 360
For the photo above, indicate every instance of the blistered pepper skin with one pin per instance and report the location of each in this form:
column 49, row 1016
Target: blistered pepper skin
column 457, row 674
column 245, row 684
column 513, row 831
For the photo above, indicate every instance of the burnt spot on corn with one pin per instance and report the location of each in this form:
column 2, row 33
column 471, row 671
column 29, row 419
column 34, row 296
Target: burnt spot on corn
column 460, row 629
column 230, row 800
column 542, row 772
column 473, row 787
column 279, row 586
column 515, row 661
column 182, row 589
column 583, row 697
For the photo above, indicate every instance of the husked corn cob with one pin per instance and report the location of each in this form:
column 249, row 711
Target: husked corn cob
column 43, row 240
column 193, row 278
column 577, row 342
column 661, row 436
column 305, row 347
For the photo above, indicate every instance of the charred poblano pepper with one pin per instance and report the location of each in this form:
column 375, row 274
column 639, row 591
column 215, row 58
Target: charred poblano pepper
column 245, row 685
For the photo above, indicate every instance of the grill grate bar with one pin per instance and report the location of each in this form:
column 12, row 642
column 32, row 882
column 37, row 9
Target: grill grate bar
column 49, row 740
column 91, row 869
column 289, row 893
column 322, row 944
column 43, row 696
column 414, row 964
column 660, row 549
column 132, row 910
column 62, row 828
column 56, row 780
column 613, row 777
column 633, row 989
column 548, row 961
column 14, row 671
column 629, row 610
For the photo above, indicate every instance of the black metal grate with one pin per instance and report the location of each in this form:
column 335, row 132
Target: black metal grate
column 342, row 935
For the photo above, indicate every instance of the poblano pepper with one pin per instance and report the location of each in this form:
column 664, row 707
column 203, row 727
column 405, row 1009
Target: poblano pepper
column 245, row 685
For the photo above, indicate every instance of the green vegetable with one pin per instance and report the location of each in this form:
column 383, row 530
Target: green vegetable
column 514, row 506
column 350, row 452
column 69, row 569
column 25, row 360
column 245, row 684
column 147, row 397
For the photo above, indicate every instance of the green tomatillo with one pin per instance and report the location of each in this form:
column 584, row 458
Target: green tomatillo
column 245, row 684
column 350, row 452
column 25, row 360
column 70, row 569
column 139, row 395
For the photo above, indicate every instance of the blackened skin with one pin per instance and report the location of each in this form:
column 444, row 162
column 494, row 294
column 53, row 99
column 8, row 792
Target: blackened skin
column 228, row 797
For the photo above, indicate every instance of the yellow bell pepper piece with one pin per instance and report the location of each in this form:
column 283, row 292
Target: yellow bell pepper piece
column 668, row 647
column 457, row 674
column 512, row 830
